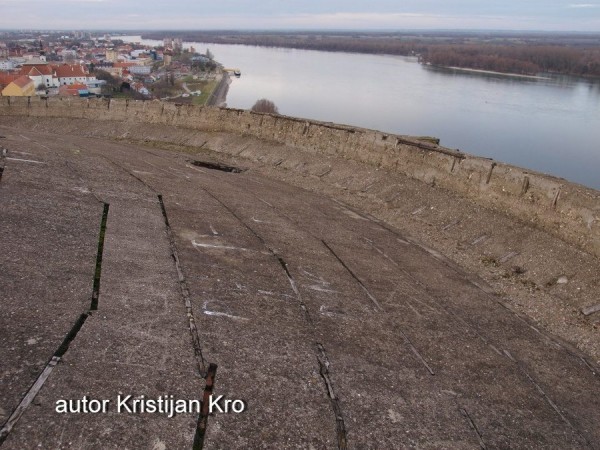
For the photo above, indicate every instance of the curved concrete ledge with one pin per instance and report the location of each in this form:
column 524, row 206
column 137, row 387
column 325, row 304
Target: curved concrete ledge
column 565, row 209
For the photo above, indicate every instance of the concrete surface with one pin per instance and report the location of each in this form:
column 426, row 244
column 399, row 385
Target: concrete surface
column 335, row 328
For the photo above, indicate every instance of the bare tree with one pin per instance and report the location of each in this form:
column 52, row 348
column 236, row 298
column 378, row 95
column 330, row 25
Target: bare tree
column 265, row 106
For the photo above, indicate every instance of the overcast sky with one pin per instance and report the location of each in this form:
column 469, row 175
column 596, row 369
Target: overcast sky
column 579, row 15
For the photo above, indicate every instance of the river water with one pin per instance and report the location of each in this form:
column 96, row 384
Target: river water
column 551, row 124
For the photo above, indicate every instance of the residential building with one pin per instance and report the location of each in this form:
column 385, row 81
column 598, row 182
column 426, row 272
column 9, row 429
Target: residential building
column 7, row 64
column 140, row 70
column 40, row 74
column 68, row 54
column 71, row 74
column 111, row 55
column 21, row 87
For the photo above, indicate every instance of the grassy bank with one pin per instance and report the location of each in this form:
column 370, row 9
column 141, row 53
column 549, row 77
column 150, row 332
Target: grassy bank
column 206, row 87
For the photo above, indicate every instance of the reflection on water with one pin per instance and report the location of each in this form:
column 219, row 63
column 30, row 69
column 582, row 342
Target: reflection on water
column 550, row 124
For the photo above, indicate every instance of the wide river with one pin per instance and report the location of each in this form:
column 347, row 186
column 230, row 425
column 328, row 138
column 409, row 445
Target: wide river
column 551, row 125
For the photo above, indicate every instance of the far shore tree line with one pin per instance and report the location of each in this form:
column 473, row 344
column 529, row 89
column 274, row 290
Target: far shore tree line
column 517, row 59
column 517, row 56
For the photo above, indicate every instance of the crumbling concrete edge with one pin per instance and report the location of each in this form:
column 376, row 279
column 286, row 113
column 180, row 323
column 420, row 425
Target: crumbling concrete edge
column 562, row 208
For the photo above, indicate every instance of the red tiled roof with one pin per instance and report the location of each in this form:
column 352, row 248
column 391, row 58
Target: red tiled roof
column 67, row 70
column 7, row 78
column 72, row 89
column 42, row 69
column 23, row 81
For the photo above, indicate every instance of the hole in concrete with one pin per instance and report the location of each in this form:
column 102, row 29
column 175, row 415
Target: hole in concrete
column 217, row 166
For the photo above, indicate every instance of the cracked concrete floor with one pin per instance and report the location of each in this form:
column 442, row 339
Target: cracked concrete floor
column 332, row 327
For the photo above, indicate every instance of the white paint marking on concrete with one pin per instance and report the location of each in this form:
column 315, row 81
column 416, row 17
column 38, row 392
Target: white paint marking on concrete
column 225, row 247
column 26, row 160
column 323, row 311
column 25, row 137
column 220, row 314
column 142, row 172
column 480, row 239
column 260, row 221
column 316, row 287
column 265, row 202
column 265, row 292
column 316, row 278
column 22, row 153
column 214, row 232
column 414, row 309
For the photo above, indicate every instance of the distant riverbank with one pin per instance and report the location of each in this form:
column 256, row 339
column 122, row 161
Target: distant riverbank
column 525, row 122
column 518, row 53
column 488, row 72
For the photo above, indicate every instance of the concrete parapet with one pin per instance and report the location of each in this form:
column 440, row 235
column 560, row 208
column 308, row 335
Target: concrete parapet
column 568, row 210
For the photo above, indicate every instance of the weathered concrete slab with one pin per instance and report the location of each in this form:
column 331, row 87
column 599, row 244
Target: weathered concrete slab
column 335, row 330
column 49, row 232
column 136, row 343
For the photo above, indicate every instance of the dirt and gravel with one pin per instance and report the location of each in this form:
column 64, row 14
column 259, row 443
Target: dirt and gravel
column 354, row 309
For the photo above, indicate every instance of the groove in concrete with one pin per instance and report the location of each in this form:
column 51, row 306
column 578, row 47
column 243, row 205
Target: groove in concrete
column 204, row 413
column 3, row 154
column 185, row 293
column 33, row 391
column 339, row 418
column 472, row 423
column 545, row 396
column 294, row 287
column 371, row 297
column 98, row 271
column 322, row 359
column 416, row 352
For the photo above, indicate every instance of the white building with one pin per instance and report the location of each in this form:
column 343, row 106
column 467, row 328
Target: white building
column 140, row 70
column 7, row 64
